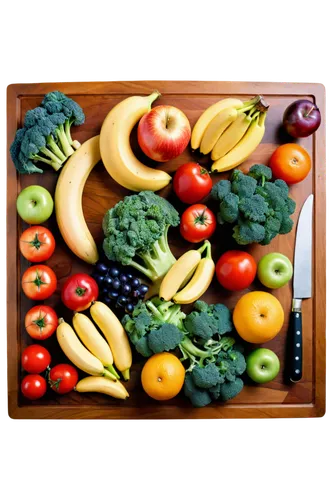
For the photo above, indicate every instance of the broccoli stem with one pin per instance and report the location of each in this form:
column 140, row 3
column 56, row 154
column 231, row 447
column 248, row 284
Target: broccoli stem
column 55, row 149
column 74, row 143
column 156, row 262
column 189, row 348
column 53, row 164
column 66, row 147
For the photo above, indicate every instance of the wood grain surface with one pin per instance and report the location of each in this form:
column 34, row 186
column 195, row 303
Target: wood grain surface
column 276, row 399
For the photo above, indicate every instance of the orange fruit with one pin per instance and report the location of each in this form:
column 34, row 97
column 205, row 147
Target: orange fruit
column 258, row 317
column 163, row 376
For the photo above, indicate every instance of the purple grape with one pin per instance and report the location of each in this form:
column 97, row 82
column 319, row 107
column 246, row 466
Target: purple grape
column 101, row 268
column 126, row 289
column 136, row 294
column 122, row 300
column 113, row 271
column 113, row 295
column 107, row 281
column 135, row 283
column 130, row 276
column 129, row 308
column 143, row 289
column 105, row 291
column 116, row 284
column 107, row 300
column 123, row 278
column 99, row 279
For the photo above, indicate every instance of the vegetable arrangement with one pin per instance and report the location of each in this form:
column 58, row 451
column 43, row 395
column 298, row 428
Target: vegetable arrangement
column 199, row 351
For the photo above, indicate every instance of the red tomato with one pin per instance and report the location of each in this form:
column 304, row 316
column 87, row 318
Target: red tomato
column 236, row 270
column 39, row 282
column 79, row 291
column 197, row 223
column 41, row 322
column 192, row 183
column 291, row 163
column 35, row 359
column 33, row 386
column 63, row 378
column 37, row 244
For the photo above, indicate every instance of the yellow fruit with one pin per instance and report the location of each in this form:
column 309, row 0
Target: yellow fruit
column 231, row 136
column 216, row 128
column 103, row 386
column 163, row 376
column 178, row 273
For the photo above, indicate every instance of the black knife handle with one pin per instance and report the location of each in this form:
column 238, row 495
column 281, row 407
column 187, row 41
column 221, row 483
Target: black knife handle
column 296, row 362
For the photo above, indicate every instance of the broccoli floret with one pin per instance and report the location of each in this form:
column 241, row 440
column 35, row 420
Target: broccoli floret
column 242, row 185
column 220, row 190
column 143, row 348
column 291, row 205
column 165, row 338
column 261, row 173
column 136, row 233
column 215, row 392
column 272, row 228
column 229, row 390
column 283, row 186
column 274, row 196
column 198, row 397
column 254, row 209
column 205, row 322
column 206, row 376
column 286, row 225
column 248, row 232
column 229, row 208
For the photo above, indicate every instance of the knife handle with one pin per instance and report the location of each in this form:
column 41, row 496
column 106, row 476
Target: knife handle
column 296, row 341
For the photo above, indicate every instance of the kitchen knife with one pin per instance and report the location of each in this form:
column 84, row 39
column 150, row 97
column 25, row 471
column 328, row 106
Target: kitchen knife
column 302, row 285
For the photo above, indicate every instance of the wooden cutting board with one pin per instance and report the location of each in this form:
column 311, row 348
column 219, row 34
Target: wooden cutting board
column 276, row 399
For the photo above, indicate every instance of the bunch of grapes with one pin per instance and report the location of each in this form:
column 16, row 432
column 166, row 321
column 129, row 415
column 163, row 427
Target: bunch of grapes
column 117, row 285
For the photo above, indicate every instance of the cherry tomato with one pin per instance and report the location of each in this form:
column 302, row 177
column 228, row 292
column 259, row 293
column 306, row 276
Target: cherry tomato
column 63, row 378
column 192, row 183
column 41, row 322
column 33, row 386
column 39, row 282
column 236, row 270
column 291, row 163
column 197, row 223
column 35, row 359
column 37, row 244
column 79, row 291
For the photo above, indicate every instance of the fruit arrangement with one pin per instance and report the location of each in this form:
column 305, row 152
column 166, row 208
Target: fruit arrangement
column 130, row 302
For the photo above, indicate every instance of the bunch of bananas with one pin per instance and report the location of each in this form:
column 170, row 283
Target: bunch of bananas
column 87, row 349
column 189, row 277
column 230, row 130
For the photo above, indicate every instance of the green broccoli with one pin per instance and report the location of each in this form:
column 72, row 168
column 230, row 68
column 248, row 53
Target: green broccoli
column 260, row 173
column 143, row 348
column 165, row 338
column 229, row 390
column 254, row 209
column 45, row 136
column 198, row 397
column 206, row 376
column 220, row 190
column 229, row 210
column 136, row 233
column 247, row 232
column 207, row 320
column 242, row 185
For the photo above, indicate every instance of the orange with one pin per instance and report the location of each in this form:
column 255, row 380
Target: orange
column 163, row 376
column 258, row 317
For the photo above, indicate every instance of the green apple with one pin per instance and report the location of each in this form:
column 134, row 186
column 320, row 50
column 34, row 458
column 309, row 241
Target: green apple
column 262, row 365
column 274, row 270
column 34, row 204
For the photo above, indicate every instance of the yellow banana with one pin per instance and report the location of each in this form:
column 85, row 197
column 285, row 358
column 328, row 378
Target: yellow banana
column 200, row 282
column 231, row 136
column 115, row 335
column 102, row 385
column 68, row 200
column 93, row 340
column 207, row 116
column 77, row 353
column 178, row 273
column 117, row 154
column 216, row 128
column 244, row 148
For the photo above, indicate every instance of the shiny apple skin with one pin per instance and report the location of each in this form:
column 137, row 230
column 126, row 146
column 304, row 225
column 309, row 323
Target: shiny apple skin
column 164, row 133
column 301, row 118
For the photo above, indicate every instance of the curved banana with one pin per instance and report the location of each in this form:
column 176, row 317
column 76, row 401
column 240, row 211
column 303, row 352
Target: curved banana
column 115, row 335
column 244, row 148
column 102, row 385
column 77, row 353
column 216, row 128
column 68, row 200
column 94, row 341
column 117, row 154
column 178, row 273
column 200, row 282
column 207, row 116
column 231, row 136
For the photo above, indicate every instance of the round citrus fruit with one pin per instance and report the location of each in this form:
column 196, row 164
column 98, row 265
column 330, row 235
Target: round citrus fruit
column 258, row 317
column 163, row 376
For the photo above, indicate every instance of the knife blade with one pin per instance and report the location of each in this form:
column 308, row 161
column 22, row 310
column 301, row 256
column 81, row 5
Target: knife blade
column 302, row 285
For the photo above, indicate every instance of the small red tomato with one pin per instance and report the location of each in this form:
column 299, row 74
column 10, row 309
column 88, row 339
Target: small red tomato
column 79, row 291
column 33, row 386
column 41, row 322
column 37, row 244
column 192, row 183
column 236, row 270
column 63, row 378
column 39, row 282
column 197, row 223
column 35, row 359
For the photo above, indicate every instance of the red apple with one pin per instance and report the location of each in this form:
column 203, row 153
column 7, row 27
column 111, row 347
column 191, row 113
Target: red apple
column 164, row 133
